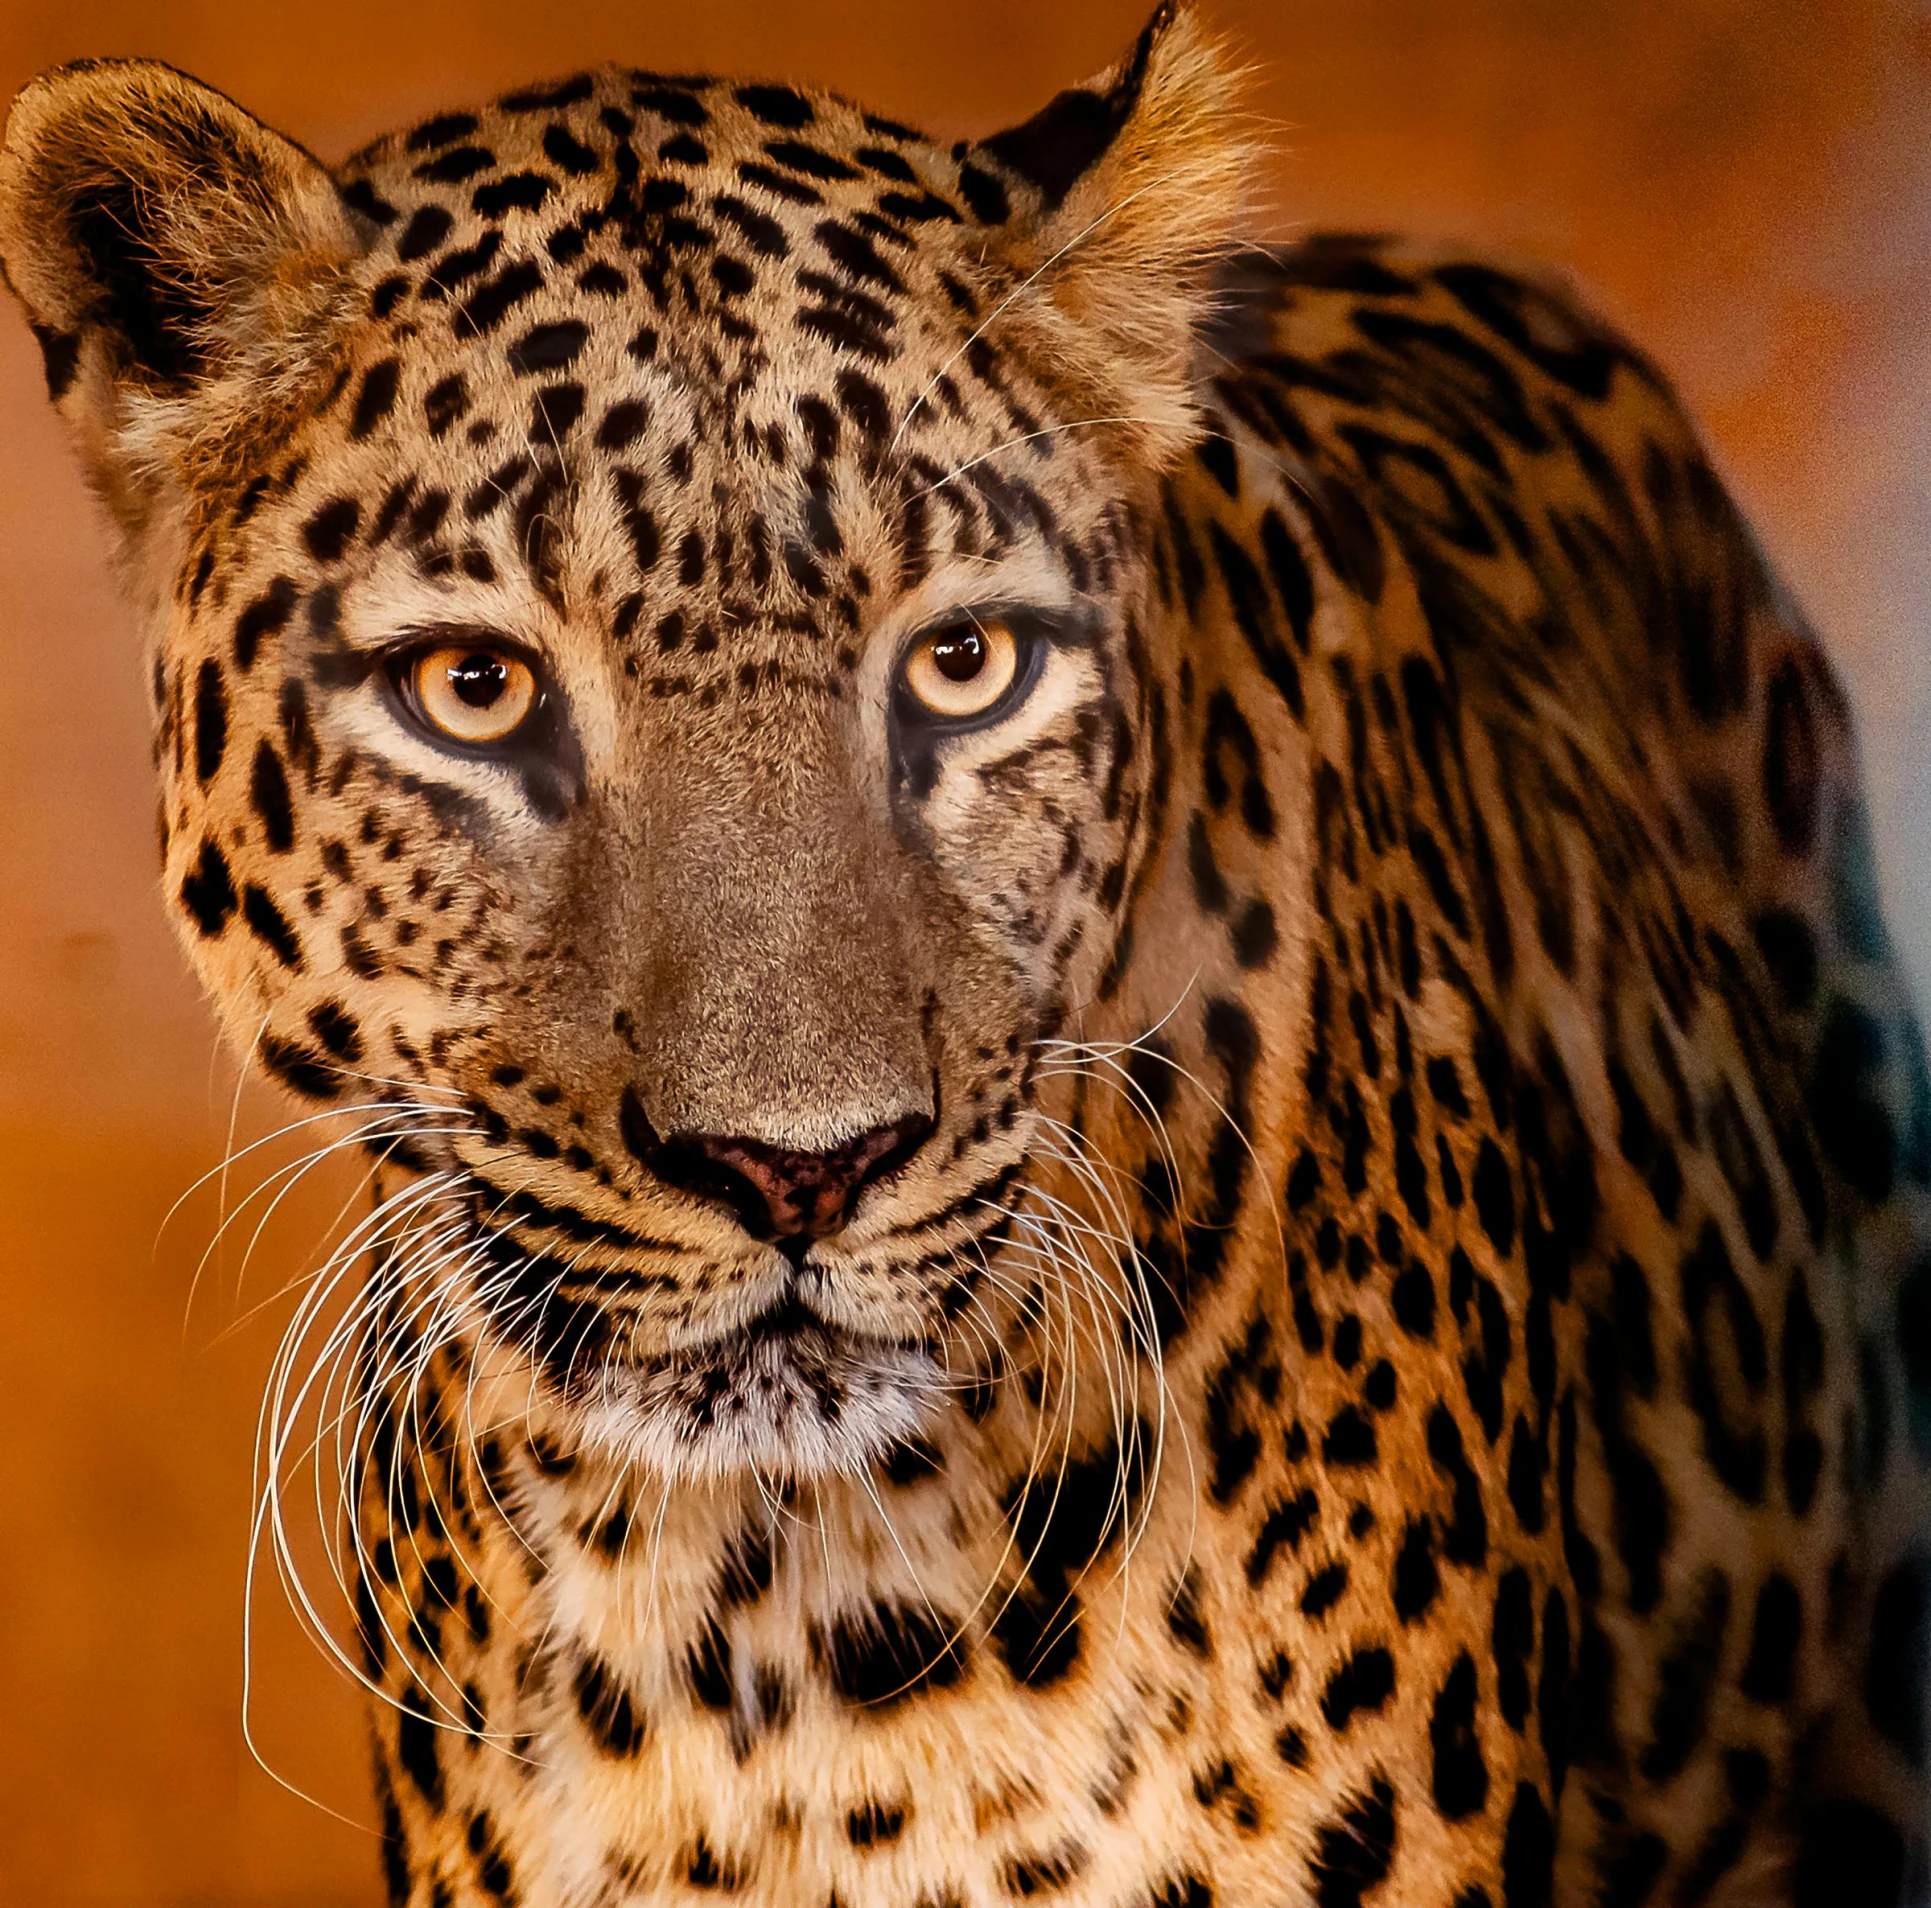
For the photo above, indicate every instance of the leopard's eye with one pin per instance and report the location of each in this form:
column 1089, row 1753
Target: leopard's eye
column 960, row 671
column 470, row 693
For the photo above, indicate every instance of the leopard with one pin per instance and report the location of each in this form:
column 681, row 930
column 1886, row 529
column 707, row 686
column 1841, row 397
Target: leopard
column 1140, row 1128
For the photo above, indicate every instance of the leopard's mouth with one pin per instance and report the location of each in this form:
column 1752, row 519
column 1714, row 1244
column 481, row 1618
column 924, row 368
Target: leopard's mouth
column 788, row 1392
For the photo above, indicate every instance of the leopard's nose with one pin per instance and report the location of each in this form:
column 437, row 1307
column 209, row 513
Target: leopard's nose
column 775, row 1192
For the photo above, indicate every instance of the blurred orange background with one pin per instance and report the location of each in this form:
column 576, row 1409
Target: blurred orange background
column 1744, row 184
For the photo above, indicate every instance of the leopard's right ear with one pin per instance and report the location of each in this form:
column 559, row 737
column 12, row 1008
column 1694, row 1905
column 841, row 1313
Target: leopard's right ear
column 185, row 269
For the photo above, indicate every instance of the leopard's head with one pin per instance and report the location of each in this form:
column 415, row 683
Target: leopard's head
column 647, row 587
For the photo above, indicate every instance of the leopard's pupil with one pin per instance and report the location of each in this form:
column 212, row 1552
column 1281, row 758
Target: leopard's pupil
column 961, row 656
column 479, row 680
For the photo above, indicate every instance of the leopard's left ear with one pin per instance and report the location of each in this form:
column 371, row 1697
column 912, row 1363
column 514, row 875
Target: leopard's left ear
column 1113, row 206
column 184, row 268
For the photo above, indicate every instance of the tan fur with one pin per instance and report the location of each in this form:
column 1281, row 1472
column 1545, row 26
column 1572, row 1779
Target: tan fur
column 1379, row 1385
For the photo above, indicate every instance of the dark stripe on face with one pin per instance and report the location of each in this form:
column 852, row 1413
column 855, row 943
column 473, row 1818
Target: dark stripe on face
column 987, row 1193
column 567, row 1220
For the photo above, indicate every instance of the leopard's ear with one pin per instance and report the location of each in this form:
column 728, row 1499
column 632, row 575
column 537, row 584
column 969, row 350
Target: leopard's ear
column 183, row 267
column 1113, row 206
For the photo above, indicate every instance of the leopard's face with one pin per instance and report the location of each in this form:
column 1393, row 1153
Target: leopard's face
column 660, row 737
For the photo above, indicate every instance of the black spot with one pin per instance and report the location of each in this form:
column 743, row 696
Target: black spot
column 210, row 721
column 1364, row 1682
column 1775, row 1632
column 1215, row 455
column 446, row 402
column 549, row 347
column 865, row 404
column 856, row 331
column 676, row 104
column 1349, row 1439
column 873, row 1823
column 893, row 1652
column 1285, row 1524
column 1466, row 1539
column 606, row 1709
column 1619, row 1355
column 328, row 531
column 1853, row 1125
column 268, row 792
column 705, row 1868
column 444, row 130
column 1044, row 1872
column 797, row 156
column 1413, row 1299
column 553, row 413
column 335, row 1028
column 1461, row 1776
column 453, row 167
column 361, row 197
column 515, row 192
column 428, row 226
column 1802, row 1363
column 299, row 1068
column 1895, row 1671
column 622, row 425
column 985, row 197
column 1417, row 1580
column 911, row 1460
column 1185, row 1623
column 774, row 105
column 759, row 230
column 1528, row 1852
column 1179, row 1891
column 208, row 891
column 707, row 1668
column 1061, row 1523
column 645, row 541
column 1789, row 950
column 377, row 397
column 1353, row 1853
column 270, row 926
column 496, row 298
column 1324, row 1590
column 1628, row 1861
column 1495, row 1198
column 1485, row 1366
column 416, row 1746
column 567, row 152
column 856, row 255
column 458, row 268
column 1253, row 613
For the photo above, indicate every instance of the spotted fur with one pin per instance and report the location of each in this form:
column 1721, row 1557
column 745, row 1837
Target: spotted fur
column 1384, row 1353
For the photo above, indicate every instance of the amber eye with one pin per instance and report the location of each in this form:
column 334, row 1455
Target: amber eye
column 962, row 670
column 471, row 694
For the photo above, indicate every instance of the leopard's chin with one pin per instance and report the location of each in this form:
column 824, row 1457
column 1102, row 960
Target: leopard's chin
column 789, row 1395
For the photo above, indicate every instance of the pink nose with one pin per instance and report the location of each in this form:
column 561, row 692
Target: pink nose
column 776, row 1193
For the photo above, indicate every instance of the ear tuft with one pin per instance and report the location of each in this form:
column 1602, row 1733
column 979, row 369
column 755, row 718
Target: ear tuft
column 170, row 251
column 1131, row 188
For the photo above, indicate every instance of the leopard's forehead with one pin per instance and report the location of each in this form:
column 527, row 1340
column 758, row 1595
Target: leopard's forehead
column 760, row 234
